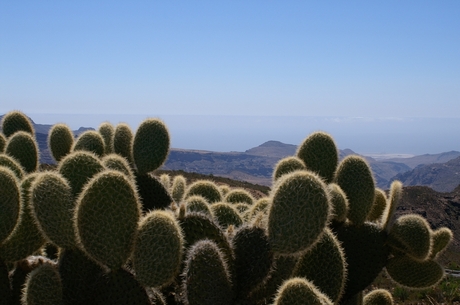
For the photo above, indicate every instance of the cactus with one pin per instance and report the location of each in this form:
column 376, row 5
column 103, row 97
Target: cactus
column 178, row 188
column 253, row 258
column 287, row 165
column 158, row 252
column 91, row 141
column 107, row 131
column 52, row 206
column 206, row 276
column 26, row 237
column 378, row 207
column 43, row 286
column 411, row 234
column 378, row 297
column 261, row 206
column 12, row 164
column 239, row 195
column 226, row 215
column 150, row 145
column 153, row 194
column 197, row 204
column 394, row 198
column 414, row 274
column 2, row 143
column 10, row 201
column 106, row 218
column 441, row 239
column 339, row 203
column 165, row 179
column 355, row 178
column 78, row 167
column 299, row 291
column 319, row 154
column 311, row 265
column 208, row 189
column 60, row 141
column 117, row 162
column 123, row 142
column 15, row 121
column 23, row 148
column 242, row 208
column 301, row 200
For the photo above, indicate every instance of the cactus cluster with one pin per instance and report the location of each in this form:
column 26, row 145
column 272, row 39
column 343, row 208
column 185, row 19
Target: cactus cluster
column 123, row 235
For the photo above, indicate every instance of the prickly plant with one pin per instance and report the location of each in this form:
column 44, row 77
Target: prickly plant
column 165, row 179
column 339, row 203
column 414, row 274
column 106, row 218
column 178, row 188
column 319, row 154
column 152, row 193
column 286, row 166
column 43, row 286
column 123, row 142
column 23, row 148
column 158, row 252
column 15, row 121
column 198, row 204
column 239, row 195
column 225, row 215
column 378, row 207
column 208, row 189
column 299, row 291
column 117, row 162
column 91, row 141
column 378, row 297
column 60, row 141
column 150, row 146
column 301, row 200
column 441, row 238
column 52, row 206
column 2, row 142
column 13, row 165
column 10, row 202
column 106, row 130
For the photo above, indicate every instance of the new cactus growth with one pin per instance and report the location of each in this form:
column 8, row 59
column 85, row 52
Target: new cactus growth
column 60, row 141
column 206, row 276
column 107, row 131
column 299, row 213
column 12, row 164
column 78, row 167
column 123, row 142
column 158, row 252
column 197, row 204
column 411, row 234
column 91, row 141
column 178, row 188
column 10, row 200
column 15, row 121
column 106, row 218
column 393, row 201
column 43, row 286
column 23, row 148
column 52, row 206
column 226, row 215
column 355, row 178
column 150, row 145
column 239, row 195
column 209, row 190
column 414, row 274
column 299, row 291
column 286, row 166
column 339, row 203
column 379, row 206
column 378, row 297
column 441, row 239
column 319, row 154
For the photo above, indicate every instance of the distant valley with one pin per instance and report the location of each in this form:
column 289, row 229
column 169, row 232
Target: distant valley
column 438, row 171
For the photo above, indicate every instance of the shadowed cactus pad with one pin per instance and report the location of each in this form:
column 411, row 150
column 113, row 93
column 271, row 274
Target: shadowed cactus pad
column 15, row 121
column 441, row 239
column 206, row 276
column 117, row 162
column 10, row 200
column 209, row 190
column 12, row 164
column 153, row 194
column 60, row 141
column 2, row 142
column 53, row 205
column 158, row 252
column 355, row 178
column 226, row 215
column 299, row 291
column 413, row 274
column 411, row 234
column 339, row 202
column 26, row 237
column 106, row 218
column 311, row 265
column 43, row 286
column 378, row 297
column 319, row 154
column 79, row 167
column 197, row 204
column 238, row 196
column 91, row 141
column 379, row 206
column 286, row 166
column 23, row 148
column 150, row 145
column 299, row 212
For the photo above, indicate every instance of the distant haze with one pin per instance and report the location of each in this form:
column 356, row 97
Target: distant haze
column 238, row 133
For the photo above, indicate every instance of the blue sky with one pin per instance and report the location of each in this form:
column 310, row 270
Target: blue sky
column 312, row 58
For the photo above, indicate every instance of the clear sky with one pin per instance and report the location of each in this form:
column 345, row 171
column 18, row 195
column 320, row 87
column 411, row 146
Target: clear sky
column 312, row 58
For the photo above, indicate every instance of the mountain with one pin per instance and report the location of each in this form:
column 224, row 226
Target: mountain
column 415, row 161
column 442, row 177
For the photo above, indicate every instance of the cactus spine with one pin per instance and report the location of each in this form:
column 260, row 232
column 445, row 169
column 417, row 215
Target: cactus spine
column 15, row 121
column 10, row 200
column 60, row 141
column 23, row 147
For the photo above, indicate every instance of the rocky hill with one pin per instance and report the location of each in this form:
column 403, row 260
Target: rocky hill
column 442, row 177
